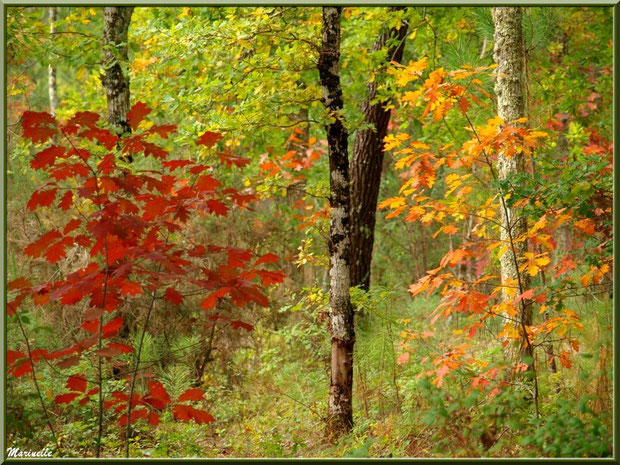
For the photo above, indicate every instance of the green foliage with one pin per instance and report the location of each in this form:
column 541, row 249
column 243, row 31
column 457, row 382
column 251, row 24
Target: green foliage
column 571, row 429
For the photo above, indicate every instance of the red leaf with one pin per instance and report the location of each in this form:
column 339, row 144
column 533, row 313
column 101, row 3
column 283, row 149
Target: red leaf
column 47, row 157
column 267, row 278
column 192, row 395
column 240, row 324
column 57, row 252
column 66, row 201
column 154, row 207
column 206, row 183
column 217, row 207
column 114, row 350
column 12, row 356
column 181, row 412
column 197, row 251
column 22, row 369
column 38, row 126
column 76, row 383
column 66, row 398
column 174, row 164
column 86, row 119
column 209, row 302
column 154, row 151
column 154, row 419
column 36, row 248
column 267, row 258
column 40, row 296
column 19, row 283
column 163, row 130
column 135, row 415
column 71, row 226
column 124, row 348
column 200, row 416
column 71, row 296
column 91, row 326
column 137, row 114
column 107, row 139
column 130, row 288
column 158, row 397
column 92, row 392
column 107, row 164
column 198, row 169
column 111, row 328
column 174, row 296
column 41, row 198
column 209, row 138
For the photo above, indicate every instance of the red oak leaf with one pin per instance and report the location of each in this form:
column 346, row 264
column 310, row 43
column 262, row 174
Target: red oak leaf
column 76, row 383
column 208, row 139
column 47, row 157
column 173, row 296
column 38, row 126
column 192, row 395
column 43, row 198
column 66, row 398
column 137, row 114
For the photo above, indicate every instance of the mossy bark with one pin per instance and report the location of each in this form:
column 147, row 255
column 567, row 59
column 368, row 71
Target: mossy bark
column 509, row 54
column 340, row 408
column 115, row 78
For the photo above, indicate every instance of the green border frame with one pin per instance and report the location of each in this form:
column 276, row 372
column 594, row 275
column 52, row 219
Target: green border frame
column 5, row 4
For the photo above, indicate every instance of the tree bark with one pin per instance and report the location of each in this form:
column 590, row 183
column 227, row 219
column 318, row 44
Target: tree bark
column 52, row 85
column 115, row 79
column 509, row 54
column 367, row 164
column 340, row 409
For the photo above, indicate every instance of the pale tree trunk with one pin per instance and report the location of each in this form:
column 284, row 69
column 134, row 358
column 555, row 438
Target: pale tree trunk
column 509, row 54
column 51, row 82
column 367, row 164
column 115, row 79
column 340, row 409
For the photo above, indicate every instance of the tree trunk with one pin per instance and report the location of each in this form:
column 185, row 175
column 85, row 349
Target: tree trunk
column 115, row 79
column 52, row 86
column 367, row 164
column 509, row 54
column 340, row 409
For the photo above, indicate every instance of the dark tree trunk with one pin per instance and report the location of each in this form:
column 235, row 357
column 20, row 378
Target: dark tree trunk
column 115, row 79
column 340, row 409
column 367, row 164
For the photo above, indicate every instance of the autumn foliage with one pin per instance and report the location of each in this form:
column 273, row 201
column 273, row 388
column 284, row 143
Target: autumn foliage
column 467, row 277
column 130, row 221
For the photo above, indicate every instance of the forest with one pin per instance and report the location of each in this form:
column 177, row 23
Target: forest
column 309, row 231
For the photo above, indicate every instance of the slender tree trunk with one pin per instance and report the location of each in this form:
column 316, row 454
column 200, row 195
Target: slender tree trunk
column 340, row 409
column 52, row 86
column 367, row 164
column 509, row 54
column 115, row 79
